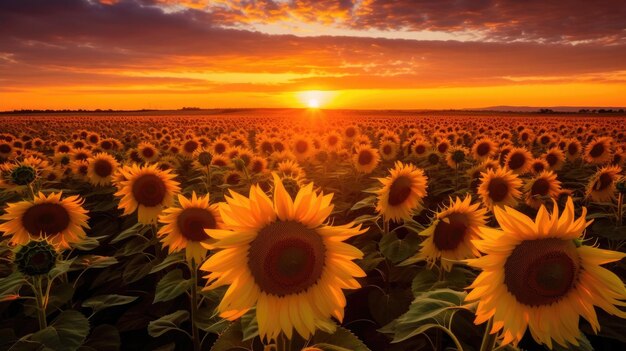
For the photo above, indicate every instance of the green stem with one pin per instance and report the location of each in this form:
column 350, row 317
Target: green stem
column 194, row 305
column 41, row 303
column 489, row 340
column 385, row 226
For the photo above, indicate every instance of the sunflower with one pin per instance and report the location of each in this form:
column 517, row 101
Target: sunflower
column 18, row 176
column 518, row 160
column 188, row 147
column 402, row 192
column 388, row 150
column 543, row 186
column 365, row 159
column 6, row 150
column 60, row 221
column 455, row 156
column 280, row 257
column 290, row 168
column 302, row 147
column 146, row 189
column 538, row 165
column 101, row 169
column 184, row 226
column 538, row 275
column 449, row 237
column 421, row 148
column 332, row 141
column 148, row 152
column 555, row 158
column 598, row 151
column 232, row 178
column 257, row 165
column 483, row 149
column 601, row 186
column 499, row 187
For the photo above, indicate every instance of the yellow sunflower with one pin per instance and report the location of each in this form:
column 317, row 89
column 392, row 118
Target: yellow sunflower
column 555, row 158
column 146, row 189
column 280, row 257
column 60, row 221
column 538, row 275
column 542, row 187
column 388, row 150
column 601, row 186
column 148, row 152
column 449, row 237
column 184, row 226
column 499, row 187
column 599, row 151
column 365, row 159
column 402, row 192
column 101, row 168
column 484, row 148
column 518, row 160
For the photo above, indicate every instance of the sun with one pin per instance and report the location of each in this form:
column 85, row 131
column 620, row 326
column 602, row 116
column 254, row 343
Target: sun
column 315, row 99
column 313, row 103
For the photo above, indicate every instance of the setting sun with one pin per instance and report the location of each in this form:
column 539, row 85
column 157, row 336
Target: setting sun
column 315, row 98
column 313, row 103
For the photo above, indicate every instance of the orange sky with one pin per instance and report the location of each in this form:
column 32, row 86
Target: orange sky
column 166, row 54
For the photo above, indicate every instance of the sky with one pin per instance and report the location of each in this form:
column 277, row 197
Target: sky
column 362, row 54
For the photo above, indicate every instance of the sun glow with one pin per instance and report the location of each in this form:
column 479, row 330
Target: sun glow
column 315, row 98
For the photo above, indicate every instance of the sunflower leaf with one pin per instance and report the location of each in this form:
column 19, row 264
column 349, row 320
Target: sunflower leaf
column 67, row 332
column 166, row 323
column 10, row 286
column 171, row 286
column 168, row 261
column 98, row 303
column 341, row 339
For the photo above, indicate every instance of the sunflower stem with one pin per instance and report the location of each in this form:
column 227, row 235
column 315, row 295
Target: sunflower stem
column 194, row 304
column 31, row 191
column 385, row 226
column 208, row 171
column 489, row 340
column 41, row 303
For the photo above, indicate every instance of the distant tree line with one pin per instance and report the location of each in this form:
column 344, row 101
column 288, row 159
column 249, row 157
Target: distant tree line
column 602, row 110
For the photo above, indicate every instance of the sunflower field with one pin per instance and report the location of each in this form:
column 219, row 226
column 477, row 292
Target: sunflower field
column 289, row 230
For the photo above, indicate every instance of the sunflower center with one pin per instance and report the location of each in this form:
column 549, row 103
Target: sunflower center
column 149, row 190
column 540, row 272
column 5, row 148
column 103, row 168
column 540, row 187
column 433, row 159
column 516, row 161
column 545, row 139
column 286, row 258
column 597, row 150
column 190, row 146
column 572, row 149
column 302, row 146
column 604, row 181
column 23, row 175
column 483, row 149
column 387, row 149
column 498, row 189
column 538, row 167
column 552, row 159
column 420, row 149
column 193, row 221
column 219, row 148
column 451, row 232
column 147, row 152
column 46, row 218
column 399, row 190
column 365, row 157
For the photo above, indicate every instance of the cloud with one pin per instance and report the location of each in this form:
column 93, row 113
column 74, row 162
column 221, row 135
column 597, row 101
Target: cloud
column 130, row 45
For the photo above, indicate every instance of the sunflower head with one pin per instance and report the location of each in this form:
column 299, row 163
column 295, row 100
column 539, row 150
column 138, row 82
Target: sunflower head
column 449, row 237
column 499, row 187
column 402, row 192
column 23, row 175
column 37, row 257
column 538, row 275
column 282, row 258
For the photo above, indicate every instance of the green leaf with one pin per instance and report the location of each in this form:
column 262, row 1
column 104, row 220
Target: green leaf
column 232, row 339
column 341, row 339
column 89, row 243
column 249, row 325
column 168, row 261
column 137, row 229
column 104, row 338
column 367, row 202
column 138, row 267
column 10, row 286
column 436, row 306
column 101, row 302
column 166, row 323
column 396, row 249
column 67, row 332
column 171, row 286
column 95, row 261
column 61, row 267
